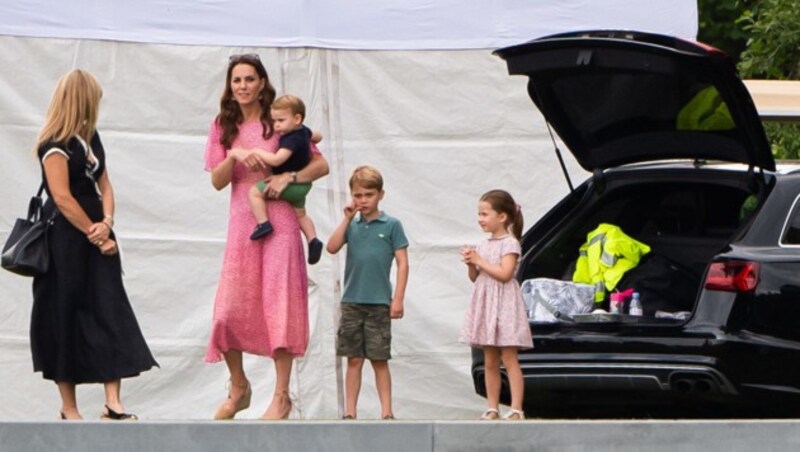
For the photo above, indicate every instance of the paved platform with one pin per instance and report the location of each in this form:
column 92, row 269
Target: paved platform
column 594, row 436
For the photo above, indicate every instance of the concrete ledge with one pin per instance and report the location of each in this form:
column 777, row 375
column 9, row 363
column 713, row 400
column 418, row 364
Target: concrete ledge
column 594, row 436
column 619, row 436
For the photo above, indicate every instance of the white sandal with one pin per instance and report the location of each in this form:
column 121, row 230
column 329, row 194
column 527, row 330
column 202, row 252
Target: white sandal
column 487, row 415
column 514, row 415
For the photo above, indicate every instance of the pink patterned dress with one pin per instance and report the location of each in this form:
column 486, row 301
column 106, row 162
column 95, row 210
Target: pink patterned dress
column 262, row 298
column 496, row 315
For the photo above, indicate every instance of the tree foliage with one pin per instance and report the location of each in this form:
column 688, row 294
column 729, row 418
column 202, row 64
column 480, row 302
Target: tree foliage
column 773, row 52
column 773, row 47
column 763, row 36
column 720, row 26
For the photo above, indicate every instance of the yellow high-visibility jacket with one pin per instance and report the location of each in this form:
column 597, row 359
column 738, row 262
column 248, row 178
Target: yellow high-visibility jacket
column 607, row 254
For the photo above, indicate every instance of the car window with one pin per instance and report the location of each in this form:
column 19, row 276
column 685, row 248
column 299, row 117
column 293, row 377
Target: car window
column 791, row 233
column 706, row 111
column 694, row 211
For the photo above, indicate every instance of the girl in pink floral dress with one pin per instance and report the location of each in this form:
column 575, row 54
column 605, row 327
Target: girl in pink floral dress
column 496, row 320
column 261, row 305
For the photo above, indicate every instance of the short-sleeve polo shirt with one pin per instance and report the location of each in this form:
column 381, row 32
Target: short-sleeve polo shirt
column 370, row 252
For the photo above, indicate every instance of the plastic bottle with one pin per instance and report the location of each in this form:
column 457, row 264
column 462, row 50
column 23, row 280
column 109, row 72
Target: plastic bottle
column 636, row 305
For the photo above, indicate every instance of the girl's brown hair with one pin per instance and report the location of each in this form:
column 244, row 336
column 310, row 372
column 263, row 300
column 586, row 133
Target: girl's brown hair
column 230, row 115
column 502, row 202
column 73, row 109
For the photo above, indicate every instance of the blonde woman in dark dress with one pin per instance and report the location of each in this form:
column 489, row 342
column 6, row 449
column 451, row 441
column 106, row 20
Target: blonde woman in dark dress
column 83, row 329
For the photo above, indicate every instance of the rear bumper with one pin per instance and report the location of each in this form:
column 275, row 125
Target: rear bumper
column 685, row 375
column 679, row 378
column 732, row 371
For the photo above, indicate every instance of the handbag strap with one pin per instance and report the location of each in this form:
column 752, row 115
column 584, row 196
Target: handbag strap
column 35, row 206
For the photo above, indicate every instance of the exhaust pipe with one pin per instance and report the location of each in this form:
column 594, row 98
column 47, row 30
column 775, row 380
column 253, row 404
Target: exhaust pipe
column 683, row 386
column 689, row 385
column 704, row 385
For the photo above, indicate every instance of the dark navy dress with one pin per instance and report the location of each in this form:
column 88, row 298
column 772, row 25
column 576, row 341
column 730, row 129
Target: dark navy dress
column 83, row 329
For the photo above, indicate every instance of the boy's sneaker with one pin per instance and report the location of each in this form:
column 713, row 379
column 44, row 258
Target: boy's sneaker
column 314, row 250
column 262, row 230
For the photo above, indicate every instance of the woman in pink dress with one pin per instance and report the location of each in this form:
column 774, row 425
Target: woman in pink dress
column 261, row 305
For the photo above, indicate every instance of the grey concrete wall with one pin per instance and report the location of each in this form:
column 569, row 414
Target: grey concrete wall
column 594, row 436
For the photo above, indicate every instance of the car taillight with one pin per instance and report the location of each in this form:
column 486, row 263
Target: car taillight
column 732, row 276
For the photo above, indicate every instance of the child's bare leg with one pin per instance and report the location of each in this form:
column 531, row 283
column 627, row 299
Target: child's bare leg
column 491, row 364
column 258, row 204
column 514, row 372
column 352, row 385
column 307, row 226
column 259, row 207
column 383, row 382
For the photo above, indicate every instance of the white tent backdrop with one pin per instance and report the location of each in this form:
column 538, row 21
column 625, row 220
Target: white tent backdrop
column 443, row 125
column 351, row 24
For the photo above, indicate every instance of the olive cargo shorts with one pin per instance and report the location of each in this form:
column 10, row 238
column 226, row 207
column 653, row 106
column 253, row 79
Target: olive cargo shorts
column 365, row 330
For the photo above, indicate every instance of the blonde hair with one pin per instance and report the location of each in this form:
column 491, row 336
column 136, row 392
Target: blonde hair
column 292, row 103
column 502, row 202
column 73, row 108
column 366, row 176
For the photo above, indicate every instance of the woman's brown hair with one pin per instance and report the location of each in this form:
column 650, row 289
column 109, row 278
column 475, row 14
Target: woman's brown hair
column 230, row 115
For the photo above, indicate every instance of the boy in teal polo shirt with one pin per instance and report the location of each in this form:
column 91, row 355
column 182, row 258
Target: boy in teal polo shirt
column 373, row 241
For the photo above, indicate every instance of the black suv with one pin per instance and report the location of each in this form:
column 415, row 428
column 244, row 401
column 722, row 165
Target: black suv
column 680, row 161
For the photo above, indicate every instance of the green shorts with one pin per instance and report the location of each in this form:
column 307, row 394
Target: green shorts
column 365, row 331
column 294, row 193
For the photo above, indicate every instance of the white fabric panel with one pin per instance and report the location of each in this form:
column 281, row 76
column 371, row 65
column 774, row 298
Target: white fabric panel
column 352, row 24
column 443, row 126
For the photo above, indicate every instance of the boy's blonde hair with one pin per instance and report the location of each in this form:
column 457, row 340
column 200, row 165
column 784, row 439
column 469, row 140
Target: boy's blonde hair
column 292, row 103
column 366, row 176
column 73, row 108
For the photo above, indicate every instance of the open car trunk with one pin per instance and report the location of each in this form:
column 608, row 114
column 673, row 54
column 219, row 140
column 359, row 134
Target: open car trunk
column 628, row 105
column 686, row 216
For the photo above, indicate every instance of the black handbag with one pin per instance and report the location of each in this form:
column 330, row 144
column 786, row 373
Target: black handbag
column 26, row 252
